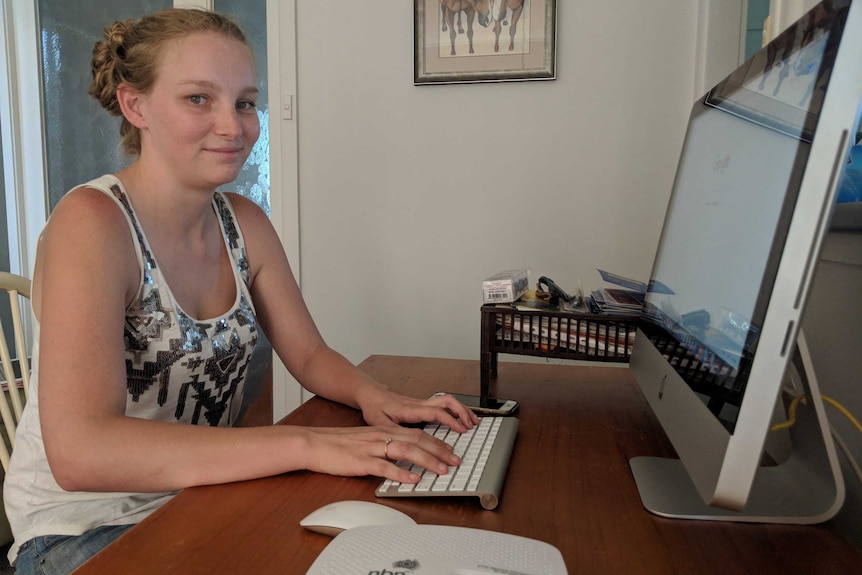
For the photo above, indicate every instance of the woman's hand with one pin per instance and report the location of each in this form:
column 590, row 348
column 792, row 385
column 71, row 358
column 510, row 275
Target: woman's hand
column 382, row 407
column 359, row 451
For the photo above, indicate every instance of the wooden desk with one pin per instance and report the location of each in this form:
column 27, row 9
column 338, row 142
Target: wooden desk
column 568, row 484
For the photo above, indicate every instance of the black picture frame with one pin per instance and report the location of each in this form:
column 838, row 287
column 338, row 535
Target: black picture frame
column 444, row 40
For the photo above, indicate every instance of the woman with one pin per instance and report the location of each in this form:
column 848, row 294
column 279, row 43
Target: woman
column 149, row 288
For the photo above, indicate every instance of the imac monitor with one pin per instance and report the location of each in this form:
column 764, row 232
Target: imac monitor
column 751, row 200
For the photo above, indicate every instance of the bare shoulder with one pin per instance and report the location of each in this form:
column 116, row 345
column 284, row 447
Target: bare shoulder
column 255, row 224
column 90, row 227
column 246, row 209
column 263, row 246
column 87, row 208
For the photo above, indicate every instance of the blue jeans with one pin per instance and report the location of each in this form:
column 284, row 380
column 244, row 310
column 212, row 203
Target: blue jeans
column 62, row 554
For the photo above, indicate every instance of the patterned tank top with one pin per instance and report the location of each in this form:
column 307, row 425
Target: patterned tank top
column 176, row 366
column 178, row 369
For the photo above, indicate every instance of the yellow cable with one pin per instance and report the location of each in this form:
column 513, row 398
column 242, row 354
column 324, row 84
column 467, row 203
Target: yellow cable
column 791, row 413
column 844, row 411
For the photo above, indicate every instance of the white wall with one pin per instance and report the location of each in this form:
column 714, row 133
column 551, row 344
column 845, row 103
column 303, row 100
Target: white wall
column 783, row 13
column 410, row 196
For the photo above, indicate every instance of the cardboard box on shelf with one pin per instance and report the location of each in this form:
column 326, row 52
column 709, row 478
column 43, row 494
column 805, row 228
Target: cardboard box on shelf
column 505, row 287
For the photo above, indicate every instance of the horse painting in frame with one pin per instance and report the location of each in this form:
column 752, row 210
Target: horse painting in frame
column 499, row 10
column 433, row 30
column 451, row 9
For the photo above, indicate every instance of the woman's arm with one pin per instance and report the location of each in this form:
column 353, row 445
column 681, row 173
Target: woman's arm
column 86, row 273
column 284, row 317
column 84, row 278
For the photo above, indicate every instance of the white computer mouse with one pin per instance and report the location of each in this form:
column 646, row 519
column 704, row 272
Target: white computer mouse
column 335, row 517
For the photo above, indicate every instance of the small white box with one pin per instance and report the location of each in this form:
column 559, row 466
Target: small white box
column 505, row 287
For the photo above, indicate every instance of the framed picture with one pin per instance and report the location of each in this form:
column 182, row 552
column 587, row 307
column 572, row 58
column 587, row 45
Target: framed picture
column 483, row 40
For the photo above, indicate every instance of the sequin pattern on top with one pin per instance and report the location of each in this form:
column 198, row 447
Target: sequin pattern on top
column 179, row 368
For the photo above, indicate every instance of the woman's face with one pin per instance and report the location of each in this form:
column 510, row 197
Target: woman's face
column 200, row 120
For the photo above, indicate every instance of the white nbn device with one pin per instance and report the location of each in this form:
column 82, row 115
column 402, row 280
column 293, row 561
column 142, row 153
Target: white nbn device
column 435, row 550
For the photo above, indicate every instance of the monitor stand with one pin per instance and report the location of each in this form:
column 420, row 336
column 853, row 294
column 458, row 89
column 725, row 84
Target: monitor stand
column 806, row 488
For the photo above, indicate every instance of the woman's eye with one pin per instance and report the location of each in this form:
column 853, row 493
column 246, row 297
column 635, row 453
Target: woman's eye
column 197, row 99
column 246, row 105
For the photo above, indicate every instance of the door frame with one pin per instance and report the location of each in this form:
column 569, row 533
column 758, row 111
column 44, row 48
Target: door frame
column 23, row 146
column 287, row 394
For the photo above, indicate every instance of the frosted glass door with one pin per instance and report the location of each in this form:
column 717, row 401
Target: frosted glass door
column 253, row 181
column 81, row 139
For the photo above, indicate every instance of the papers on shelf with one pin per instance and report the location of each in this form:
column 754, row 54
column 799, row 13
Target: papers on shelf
column 612, row 300
column 627, row 283
column 629, row 298
column 580, row 335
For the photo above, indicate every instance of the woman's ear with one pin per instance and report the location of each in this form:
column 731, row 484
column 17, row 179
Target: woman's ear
column 130, row 101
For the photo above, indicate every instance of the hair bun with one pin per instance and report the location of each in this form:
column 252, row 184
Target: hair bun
column 109, row 55
column 115, row 37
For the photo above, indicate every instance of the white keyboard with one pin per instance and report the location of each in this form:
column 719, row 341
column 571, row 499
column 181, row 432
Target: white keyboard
column 484, row 451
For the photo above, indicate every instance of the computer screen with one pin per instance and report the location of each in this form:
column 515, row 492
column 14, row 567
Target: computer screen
column 750, row 203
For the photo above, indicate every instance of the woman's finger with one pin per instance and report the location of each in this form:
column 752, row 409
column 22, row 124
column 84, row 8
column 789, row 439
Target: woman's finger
column 422, row 455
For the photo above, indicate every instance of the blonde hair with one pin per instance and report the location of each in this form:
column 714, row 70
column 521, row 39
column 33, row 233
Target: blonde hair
column 130, row 54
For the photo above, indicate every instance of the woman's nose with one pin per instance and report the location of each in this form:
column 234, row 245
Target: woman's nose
column 228, row 123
